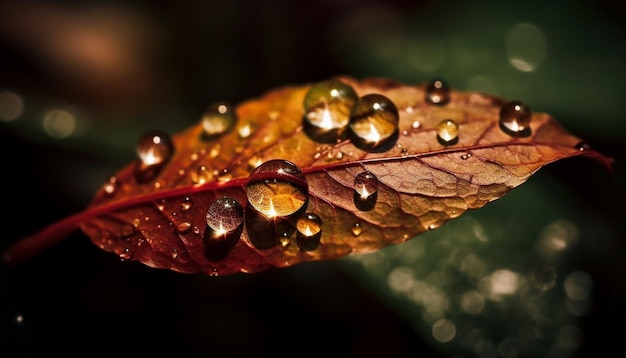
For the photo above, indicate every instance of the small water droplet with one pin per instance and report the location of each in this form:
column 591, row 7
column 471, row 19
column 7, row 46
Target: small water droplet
column 160, row 204
column 277, row 188
column 466, row 156
column 448, row 132
column 186, row 204
column 373, row 121
column 136, row 222
column 433, row 226
column 309, row 231
column 183, row 228
column 174, row 253
column 357, row 229
column 245, row 130
column 515, row 118
column 126, row 254
column 154, row 149
column 365, row 191
column 224, row 175
column 327, row 107
column 437, row 92
column 219, row 118
column 214, row 273
column 224, row 220
column 415, row 125
column 201, row 174
column 110, row 186
column 404, row 152
column 582, row 146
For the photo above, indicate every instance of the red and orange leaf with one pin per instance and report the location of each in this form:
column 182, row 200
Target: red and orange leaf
column 202, row 203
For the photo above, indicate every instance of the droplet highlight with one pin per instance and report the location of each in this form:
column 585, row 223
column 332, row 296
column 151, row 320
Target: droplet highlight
column 365, row 191
column 218, row 119
column 374, row 121
column 154, row 149
column 327, row 107
column 309, row 231
column 448, row 132
column 437, row 93
column 515, row 118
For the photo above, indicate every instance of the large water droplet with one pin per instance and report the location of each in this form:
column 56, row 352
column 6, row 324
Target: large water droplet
column 277, row 188
column 224, row 219
column 365, row 191
column 374, row 121
column 267, row 232
column 219, row 118
column 515, row 118
column 154, row 149
column 327, row 108
column 309, row 231
column 448, row 132
column 437, row 92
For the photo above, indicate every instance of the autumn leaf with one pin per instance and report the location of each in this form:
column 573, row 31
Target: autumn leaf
column 313, row 172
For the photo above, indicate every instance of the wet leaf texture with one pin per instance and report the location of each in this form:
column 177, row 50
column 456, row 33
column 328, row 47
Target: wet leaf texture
column 315, row 172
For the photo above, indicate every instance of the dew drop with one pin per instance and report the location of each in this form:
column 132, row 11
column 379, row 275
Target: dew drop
column 277, row 188
column 327, row 107
column 373, row 121
column 201, row 174
column 219, row 118
column 515, row 118
column 448, row 132
column 415, row 125
column 154, row 149
column 466, row 156
column 126, row 254
column 111, row 186
column 174, row 253
column 183, row 228
column 437, row 92
column 245, row 130
column 224, row 215
column 224, row 219
column 357, row 229
column 186, row 204
column 583, row 146
column 365, row 191
column 224, row 175
column 309, row 231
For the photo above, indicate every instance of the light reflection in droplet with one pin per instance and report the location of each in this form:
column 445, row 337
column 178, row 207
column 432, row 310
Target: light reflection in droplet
column 59, row 123
column 526, row 47
column 11, row 106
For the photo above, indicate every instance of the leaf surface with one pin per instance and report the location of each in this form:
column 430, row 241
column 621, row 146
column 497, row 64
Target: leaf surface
column 192, row 212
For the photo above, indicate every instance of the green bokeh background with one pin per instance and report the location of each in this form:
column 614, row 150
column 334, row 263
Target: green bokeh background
column 177, row 57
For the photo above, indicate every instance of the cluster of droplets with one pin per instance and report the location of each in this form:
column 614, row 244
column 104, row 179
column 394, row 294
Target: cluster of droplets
column 333, row 111
column 277, row 191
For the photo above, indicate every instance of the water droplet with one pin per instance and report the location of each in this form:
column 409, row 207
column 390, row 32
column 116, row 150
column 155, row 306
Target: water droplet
column 154, row 149
column 111, row 186
column 174, row 253
column 267, row 232
column 438, row 92
column 309, row 231
column 186, row 204
column 466, row 156
column 365, row 191
column 447, row 132
column 201, row 174
column 214, row 273
column 224, row 175
column 515, row 118
column 183, row 228
column 277, row 188
column 126, row 254
column 327, row 108
column 127, row 230
column 374, row 121
column 245, row 130
column 224, row 219
column 224, row 215
column 357, row 229
column 415, row 125
column 583, row 146
column 219, row 118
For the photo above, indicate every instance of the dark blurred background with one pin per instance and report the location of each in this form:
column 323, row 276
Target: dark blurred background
column 538, row 273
